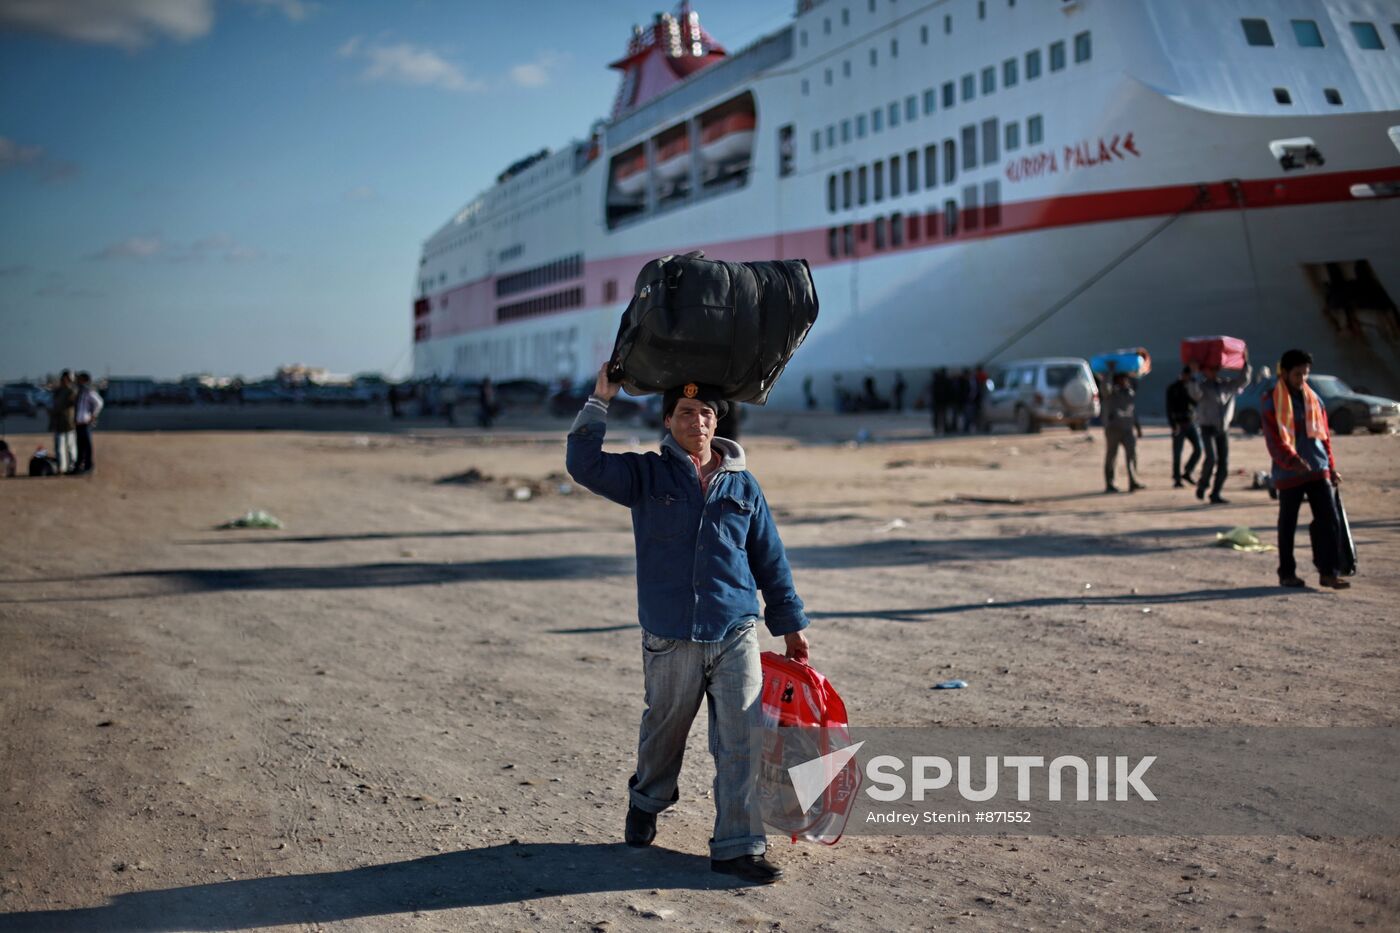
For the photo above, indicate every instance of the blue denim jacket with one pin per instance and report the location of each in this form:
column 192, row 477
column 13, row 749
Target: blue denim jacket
column 700, row 559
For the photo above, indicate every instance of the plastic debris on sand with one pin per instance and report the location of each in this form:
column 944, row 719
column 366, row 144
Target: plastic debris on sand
column 1241, row 538
column 254, row 519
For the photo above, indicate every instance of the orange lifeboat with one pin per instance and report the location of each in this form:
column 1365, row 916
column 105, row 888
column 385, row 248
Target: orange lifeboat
column 673, row 158
column 630, row 173
column 727, row 138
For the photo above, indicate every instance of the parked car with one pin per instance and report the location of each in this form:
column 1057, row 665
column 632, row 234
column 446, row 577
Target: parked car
column 1033, row 393
column 21, row 398
column 1347, row 410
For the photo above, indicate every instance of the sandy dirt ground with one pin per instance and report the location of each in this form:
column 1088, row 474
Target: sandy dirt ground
column 415, row 707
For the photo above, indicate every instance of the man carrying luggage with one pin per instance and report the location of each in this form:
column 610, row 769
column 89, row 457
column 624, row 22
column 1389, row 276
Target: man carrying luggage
column 1215, row 408
column 1300, row 445
column 1181, row 415
column 705, row 543
column 1120, row 429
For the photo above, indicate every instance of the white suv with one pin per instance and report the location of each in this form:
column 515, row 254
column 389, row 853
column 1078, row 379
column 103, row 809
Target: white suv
column 1031, row 393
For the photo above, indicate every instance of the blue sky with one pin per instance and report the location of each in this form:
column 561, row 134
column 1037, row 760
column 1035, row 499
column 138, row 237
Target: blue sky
column 200, row 186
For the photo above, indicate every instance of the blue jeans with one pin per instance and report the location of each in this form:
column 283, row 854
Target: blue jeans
column 678, row 674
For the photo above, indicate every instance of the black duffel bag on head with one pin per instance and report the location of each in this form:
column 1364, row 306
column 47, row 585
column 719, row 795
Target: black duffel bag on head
column 730, row 324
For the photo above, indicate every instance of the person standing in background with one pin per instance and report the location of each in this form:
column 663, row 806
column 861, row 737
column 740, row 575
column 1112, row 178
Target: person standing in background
column 941, row 399
column 900, row 387
column 63, row 422
column 1121, row 429
column 1181, row 415
column 1214, row 410
column 89, row 406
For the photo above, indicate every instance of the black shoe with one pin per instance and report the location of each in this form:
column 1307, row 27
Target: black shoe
column 1219, row 500
column 1134, row 487
column 1291, row 581
column 1177, row 484
column 1189, row 478
column 1336, row 583
column 1111, row 488
column 641, row 827
column 1200, row 492
column 752, row 868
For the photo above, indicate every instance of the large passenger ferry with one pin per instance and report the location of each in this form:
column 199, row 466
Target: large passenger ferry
column 971, row 181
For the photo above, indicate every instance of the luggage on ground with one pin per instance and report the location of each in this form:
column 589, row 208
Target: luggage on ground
column 42, row 465
column 730, row 324
column 803, row 718
column 1213, row 352
column 1346, row 545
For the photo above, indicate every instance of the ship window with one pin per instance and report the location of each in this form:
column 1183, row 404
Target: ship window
column 1008, row 73
column 923, row 34
column 879, row 181
column 930, row 99
column 911, row 108
column 896, row 229
column 950, row 218
column 845, row 16
column 931, row 224
column 874, row 58
column 991, row 202
column 1282, row 96
column 981, row 9
column 826, row 26
column 863, row 232
column 846, row 68
column 1396, row 27
column 989, row 80
column 1366, row 35
column 990, row 140
column 948, row 24
column 1307, row 33
column 877, row 120
column 816, row 140
column 860, row 126
column 913, row 223
column 802, row 37
column 806, row 87
column 1083, row 47
column 846, row 189
column 845, row 131
column 848, row 240
column 970, row 211
column 894, row 113
column 1032, row 64
column 969, row 87
column 833, row 242
column 1057, row 59
column 830, row 136
column 1035, row 130
column 610, row 290
column 931, row 165
column 950, row 161
column 827, row 76
column 895, row 177
column 1013, row 136
column 831, row 193
column 950, row 94
column 862, row 185
column 969, row 147
column 894, row 48
column 871, row 4
column 1256, row 32
column 911, row 161
column 879, row 233
column 1334, row 97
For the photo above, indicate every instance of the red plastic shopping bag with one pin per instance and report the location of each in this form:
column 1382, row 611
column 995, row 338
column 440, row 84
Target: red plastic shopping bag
column 804, row 718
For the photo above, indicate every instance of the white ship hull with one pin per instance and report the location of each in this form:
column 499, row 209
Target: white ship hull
column 1120, row 159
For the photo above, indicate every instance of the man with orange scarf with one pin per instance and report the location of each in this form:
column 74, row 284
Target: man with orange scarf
column 1295, row 429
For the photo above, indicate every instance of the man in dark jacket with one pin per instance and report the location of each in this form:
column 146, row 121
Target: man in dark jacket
column 1215, row 408
column 1300, row 445
column 942, row 401
column 1120, row 429
column 63, row 422
column 1181, row 415
column 706, row 544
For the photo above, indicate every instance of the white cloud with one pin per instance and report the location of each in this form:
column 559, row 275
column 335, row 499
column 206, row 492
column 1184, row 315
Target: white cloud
column 405, row 63
column 538, row 72
column 133, row 247
column 127, row 24
column 294, row 10
column 361, row 193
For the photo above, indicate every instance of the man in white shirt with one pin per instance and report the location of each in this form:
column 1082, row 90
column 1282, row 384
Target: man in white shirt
column 89, row 407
